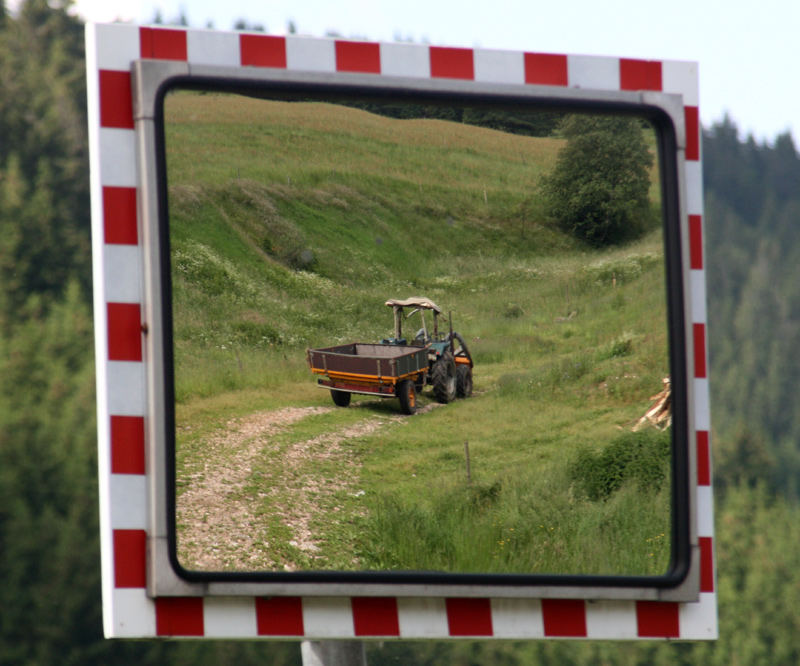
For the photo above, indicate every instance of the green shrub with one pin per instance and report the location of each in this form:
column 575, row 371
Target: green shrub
column 256, row 334
column 617, row 348
column 619, row 270
column 636, row 457
column 513, row 311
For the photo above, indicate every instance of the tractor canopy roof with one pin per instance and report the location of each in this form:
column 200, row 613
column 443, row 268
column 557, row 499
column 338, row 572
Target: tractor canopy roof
column 415, row 302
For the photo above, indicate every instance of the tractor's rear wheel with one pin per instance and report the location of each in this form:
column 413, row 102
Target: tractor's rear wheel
column 443, row 378
column 341, row 398
column 407, row 395
column 464, row 381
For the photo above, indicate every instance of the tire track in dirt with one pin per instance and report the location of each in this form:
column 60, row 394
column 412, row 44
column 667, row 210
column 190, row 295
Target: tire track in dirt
column 221, row 527
column 220, row 523
column 304, row 492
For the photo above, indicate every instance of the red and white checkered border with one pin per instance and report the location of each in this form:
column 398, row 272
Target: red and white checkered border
column 121, row 389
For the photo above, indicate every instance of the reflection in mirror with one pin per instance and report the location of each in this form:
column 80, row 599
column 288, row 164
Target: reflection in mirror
column 539, row 238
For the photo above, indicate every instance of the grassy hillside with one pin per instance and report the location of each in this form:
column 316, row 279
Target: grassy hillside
column 291, row 223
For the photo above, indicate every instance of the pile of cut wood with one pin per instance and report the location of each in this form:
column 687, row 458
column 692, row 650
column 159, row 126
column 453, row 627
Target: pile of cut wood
column 660, row 413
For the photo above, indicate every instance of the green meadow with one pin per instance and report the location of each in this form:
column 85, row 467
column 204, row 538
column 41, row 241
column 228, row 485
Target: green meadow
column 291, row 224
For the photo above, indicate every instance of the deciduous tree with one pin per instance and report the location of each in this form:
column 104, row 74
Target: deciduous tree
column 598, row 190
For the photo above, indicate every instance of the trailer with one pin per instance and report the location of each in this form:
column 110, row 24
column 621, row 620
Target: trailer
column 395, row 367
column 383, row 370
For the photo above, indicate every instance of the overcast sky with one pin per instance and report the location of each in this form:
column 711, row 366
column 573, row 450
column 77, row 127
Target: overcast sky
column 749, row 53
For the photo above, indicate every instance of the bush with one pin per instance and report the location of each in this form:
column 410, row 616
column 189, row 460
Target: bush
column 598, row 190
column 640, row 457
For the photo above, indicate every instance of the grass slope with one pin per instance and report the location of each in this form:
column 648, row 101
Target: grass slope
column 291, row 223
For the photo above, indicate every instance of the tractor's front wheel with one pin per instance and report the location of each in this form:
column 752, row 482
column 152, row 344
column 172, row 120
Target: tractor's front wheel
column 443, row 378
column 341, row 398
column 407, row 395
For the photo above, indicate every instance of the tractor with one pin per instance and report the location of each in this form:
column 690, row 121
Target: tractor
column 398, row 367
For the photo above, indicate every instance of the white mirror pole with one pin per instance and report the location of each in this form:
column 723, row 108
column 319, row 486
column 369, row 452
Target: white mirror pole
column 333, row 653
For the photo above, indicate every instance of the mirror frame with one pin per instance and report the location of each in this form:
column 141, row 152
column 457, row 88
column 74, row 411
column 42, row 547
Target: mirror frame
column 152, row 80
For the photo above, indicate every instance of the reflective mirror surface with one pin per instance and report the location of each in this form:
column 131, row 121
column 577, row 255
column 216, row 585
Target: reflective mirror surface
column 538, row 237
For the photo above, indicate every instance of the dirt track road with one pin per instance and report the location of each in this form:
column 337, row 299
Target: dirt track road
column 221, row 521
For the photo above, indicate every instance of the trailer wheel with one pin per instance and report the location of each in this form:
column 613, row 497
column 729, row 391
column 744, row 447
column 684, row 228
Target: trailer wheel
column 407, row 395
column 464, row 381
column 341, row 398
column 443, row 378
